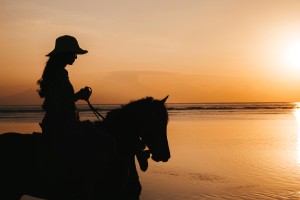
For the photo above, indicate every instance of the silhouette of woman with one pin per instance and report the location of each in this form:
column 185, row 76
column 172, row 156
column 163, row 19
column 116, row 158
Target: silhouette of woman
column 56, row 88
column 61, row 121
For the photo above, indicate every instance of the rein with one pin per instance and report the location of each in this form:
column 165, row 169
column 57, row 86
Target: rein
column 98, row 115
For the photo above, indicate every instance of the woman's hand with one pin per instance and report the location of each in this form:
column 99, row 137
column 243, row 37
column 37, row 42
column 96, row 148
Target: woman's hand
column 83, row 94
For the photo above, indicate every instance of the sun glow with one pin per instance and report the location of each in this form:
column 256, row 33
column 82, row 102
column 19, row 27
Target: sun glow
column 292, row 54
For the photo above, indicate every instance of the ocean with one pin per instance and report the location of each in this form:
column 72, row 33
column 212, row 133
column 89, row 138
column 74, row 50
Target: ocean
column 218, row 150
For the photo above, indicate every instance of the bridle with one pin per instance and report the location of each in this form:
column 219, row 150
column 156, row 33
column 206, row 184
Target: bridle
column 140, row 152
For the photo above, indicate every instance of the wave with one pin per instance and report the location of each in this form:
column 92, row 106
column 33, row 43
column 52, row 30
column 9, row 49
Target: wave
column 235, row 107
column 171, row 107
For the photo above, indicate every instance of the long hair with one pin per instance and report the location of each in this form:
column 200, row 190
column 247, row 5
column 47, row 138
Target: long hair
column 52, row 66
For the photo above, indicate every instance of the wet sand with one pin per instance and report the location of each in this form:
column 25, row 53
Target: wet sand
column 244, row 157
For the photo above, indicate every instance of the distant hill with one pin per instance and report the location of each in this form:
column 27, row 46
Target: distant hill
column 26, row 97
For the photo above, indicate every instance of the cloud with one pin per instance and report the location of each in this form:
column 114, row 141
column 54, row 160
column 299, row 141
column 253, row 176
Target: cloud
column 123, row 86
column 26, row 97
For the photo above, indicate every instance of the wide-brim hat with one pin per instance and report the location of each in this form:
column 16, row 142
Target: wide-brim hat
column 65, row 44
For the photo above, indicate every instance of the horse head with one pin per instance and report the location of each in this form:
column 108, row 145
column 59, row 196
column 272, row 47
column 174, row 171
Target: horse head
column 156, row 136
column 151, row 116
column 145, row 120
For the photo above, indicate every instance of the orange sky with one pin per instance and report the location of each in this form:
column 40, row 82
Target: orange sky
column 192, row 50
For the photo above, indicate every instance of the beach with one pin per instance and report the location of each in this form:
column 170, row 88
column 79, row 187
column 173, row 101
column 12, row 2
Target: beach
column 218, row 151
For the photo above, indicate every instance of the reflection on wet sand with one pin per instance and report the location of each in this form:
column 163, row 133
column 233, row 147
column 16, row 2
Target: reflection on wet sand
column 297, row 116
column 247, row 157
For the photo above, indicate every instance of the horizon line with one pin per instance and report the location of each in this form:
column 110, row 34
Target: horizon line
column 217, row 102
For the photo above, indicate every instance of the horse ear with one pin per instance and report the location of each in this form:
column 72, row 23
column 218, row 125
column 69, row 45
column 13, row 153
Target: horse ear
column 164, row 100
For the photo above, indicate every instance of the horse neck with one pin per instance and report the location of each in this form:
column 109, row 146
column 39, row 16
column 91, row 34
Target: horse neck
column 124, row 130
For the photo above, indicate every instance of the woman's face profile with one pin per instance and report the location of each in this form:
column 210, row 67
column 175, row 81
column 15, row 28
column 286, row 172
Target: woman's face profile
column 70, row 58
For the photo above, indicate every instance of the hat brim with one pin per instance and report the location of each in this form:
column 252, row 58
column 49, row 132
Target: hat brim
column 77, row 51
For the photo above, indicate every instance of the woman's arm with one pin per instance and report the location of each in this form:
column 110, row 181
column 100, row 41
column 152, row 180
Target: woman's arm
column 83, row 94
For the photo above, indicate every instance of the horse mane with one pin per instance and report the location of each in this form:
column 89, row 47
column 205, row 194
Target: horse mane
column 134, row 106
column 138, row 104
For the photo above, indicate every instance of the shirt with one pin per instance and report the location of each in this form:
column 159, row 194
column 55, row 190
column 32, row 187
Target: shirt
column 59, row 103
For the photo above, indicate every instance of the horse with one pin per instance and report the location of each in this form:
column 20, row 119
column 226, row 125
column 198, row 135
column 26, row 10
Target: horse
column 97, row 162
